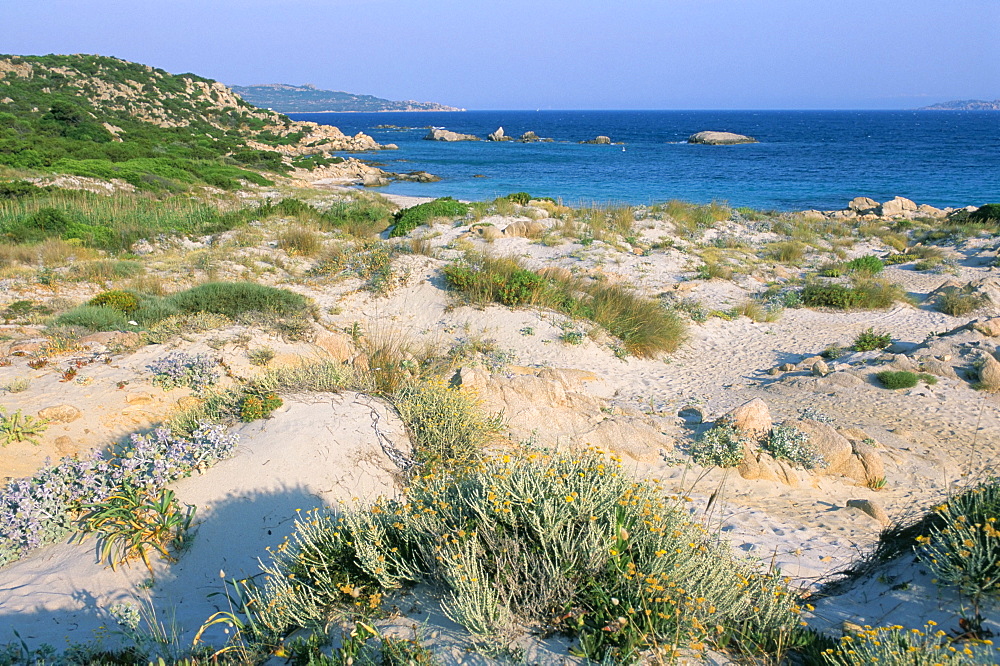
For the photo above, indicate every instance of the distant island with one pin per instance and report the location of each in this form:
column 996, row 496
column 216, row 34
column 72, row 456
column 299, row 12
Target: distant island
column 307, row 98
column 964, row 105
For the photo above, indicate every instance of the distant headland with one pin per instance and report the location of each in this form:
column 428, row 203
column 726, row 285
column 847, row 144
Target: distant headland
column 307, row 98
column 964, row 105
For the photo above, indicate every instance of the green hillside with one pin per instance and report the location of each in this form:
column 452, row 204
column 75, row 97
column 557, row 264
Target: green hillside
column 310, row 99
column 103, row 117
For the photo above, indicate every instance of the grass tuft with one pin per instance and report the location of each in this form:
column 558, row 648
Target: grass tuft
column 645, row 327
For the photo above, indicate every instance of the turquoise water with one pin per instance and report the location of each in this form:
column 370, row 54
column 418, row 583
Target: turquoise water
column 805, row 159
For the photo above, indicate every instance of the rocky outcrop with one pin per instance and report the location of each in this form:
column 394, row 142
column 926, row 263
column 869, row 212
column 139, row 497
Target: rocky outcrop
column 551, row 407
column 417, row 177
column 531, row 137
column 602, row 140
column 498, row 135
column 863, row 205
column 720, row 138
column 320, row 139
column 438, row 134
column 896, row 207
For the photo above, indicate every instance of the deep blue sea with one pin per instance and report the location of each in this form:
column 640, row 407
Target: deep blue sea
column 805, row 159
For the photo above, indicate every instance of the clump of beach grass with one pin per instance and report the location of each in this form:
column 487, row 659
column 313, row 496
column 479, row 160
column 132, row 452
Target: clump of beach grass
column 959, row 301
column 644, row 326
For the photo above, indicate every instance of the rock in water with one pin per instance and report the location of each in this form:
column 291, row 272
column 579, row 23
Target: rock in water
column 498, row 135
column 437, row 134
column 720, row 138
column 603, row 140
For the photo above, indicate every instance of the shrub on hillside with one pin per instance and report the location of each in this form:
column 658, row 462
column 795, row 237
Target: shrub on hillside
column 521, row 198
column 568, row 543
column 869, row 340
column 235, row 298
column 645, row 326
column 988, row 214
column 409, row 219
column 897, row 379
column 962, row 544
column 868, row 263
column 865, row 294
column 95, row 318
column 722, row 446
column 959, row 301
column 121, row 300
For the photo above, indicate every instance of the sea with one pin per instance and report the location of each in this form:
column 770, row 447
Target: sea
column 804, row 159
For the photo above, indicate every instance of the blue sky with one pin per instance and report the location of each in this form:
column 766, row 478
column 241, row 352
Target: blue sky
column 551, row 54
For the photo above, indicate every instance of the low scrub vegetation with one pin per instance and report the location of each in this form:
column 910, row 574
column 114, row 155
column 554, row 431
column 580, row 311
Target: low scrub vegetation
column 644, row 326
column 409, row 219
column 570, row 544
column 860, row 294
column 871, row 340
column 898, row 379
column 959, row 301
column 120, row 310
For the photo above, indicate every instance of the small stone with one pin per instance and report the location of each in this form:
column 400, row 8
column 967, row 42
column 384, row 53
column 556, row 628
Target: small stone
column 138, row 398
column 774, row 371
column 752, row 418
column 989, row 373
column 787, row 367
column 820, row 368
column 187, row 402
column 65, row 446
column 692, row 415
column 60, row 413
column 872, row 508
column 989, row 327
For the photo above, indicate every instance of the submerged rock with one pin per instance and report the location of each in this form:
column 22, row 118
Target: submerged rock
column 720, row 138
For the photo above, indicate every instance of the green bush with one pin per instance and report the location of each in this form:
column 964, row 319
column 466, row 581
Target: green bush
column 445, row 423
column 95, row 318
column 790, row 444
column 235, row 298
column 896, row 646
column 868, row 263
column 123, row 301
column 988, row 214
column 254, row 407
column 869, row 340
column 16, row 189
column 867, row 294
column 962, row 545
column 959, row 301
column 901, row 258
column 153, row 310
column 897, row 379
column 833, row 270
column 521, row 198
column 645, row 326
column 409, row 219
column 569, row 544
column 722, row 446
